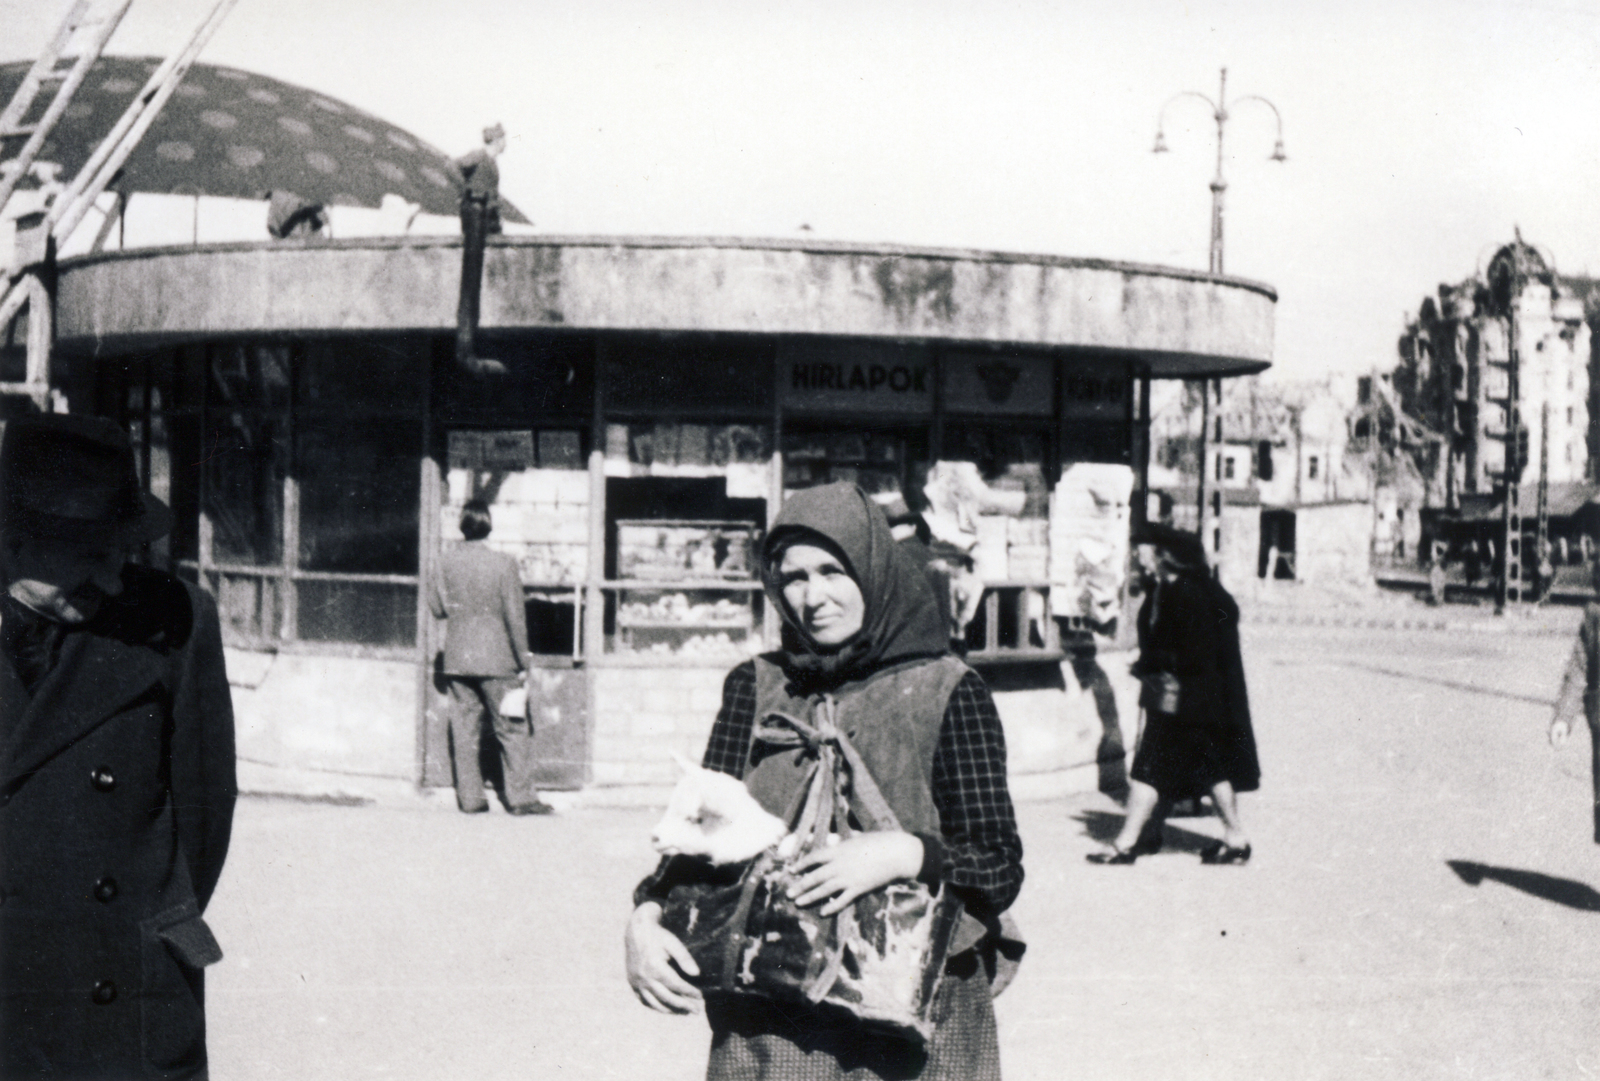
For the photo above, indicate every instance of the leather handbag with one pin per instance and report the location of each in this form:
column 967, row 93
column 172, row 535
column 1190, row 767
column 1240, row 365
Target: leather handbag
column 1159, row 692
column 880, row 959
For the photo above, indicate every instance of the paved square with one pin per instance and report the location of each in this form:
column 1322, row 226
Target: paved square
column 1422, row 904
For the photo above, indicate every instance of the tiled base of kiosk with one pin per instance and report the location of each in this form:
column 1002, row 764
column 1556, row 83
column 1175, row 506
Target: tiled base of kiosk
column 1066, row 727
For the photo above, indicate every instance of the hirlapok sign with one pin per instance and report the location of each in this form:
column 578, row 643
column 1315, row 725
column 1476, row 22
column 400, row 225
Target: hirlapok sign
column 856, row 379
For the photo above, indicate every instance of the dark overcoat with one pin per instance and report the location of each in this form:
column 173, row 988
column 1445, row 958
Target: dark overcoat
column 117, row 787
column 1189, row 628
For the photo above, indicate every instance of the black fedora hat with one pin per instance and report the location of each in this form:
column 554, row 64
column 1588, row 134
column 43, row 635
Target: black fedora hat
column 71, row 477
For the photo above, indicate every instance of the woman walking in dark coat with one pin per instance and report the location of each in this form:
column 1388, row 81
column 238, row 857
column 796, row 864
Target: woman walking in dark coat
column 1197, row 735
column 861, row 626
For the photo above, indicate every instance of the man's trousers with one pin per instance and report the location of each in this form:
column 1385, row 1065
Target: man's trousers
column 470, row 698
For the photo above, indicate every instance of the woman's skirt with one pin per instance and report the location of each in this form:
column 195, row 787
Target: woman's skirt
column 756, row 1040
column 1183, row 758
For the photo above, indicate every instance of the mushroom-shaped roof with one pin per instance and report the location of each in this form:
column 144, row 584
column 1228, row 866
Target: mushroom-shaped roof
column 237, row 134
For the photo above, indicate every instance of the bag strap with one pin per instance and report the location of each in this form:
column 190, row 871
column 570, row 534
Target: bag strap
column 825, row 740
column 876, row 814
column 733, row 947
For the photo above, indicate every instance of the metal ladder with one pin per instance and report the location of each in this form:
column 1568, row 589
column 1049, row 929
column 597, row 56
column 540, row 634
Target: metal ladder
column 88, row 34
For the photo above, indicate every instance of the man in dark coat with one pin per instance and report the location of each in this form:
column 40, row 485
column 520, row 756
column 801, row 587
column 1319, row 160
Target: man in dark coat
column 117, row 781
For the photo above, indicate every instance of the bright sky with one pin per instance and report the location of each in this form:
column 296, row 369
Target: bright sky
column 1418, row 133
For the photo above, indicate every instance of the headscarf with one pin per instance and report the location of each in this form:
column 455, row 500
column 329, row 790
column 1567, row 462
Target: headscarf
column 901, row 619
column 1183, row 551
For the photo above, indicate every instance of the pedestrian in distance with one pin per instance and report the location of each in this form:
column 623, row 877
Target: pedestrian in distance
column 117, row 782
column 477, row 591
column 1197, row 738
column 1580, row 692
column 1472, row 563
column 860, row 625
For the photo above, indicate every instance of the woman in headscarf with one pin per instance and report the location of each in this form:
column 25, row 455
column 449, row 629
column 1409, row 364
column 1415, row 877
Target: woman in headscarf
column 1197, row 735
column 860, row 625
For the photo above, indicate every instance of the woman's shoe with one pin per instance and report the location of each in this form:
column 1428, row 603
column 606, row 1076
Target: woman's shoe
column 1222, row 852
column 1117, row 856
column 1148, row 844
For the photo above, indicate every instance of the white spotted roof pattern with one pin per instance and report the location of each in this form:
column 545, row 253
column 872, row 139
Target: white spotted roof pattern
column 237, row 134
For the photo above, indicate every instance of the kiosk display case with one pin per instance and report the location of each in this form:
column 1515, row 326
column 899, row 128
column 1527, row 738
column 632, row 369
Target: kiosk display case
column 672, row 595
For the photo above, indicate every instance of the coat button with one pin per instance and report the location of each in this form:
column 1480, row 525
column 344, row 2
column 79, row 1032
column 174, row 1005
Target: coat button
column 105, row 890
column 102, row 778
column 105, row 993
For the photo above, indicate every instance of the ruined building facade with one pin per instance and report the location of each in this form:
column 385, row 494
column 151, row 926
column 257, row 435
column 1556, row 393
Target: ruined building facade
column 1451, row 376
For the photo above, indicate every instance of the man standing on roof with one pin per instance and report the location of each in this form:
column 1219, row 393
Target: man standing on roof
column 480, row 216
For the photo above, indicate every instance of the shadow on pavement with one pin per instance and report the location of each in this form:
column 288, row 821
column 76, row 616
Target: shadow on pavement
column 1111, row 756
column 1103, row 826
column 1563, row 891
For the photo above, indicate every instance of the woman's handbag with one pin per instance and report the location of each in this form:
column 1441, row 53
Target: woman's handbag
column 1159, row 692
column 881, row 958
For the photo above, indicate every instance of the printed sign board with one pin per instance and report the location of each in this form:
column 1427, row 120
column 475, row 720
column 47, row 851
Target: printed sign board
column 995, row 384
column 1097, row 393
column 1089, row 525
column 862, row 378
column 507, row 452
column 492, row 452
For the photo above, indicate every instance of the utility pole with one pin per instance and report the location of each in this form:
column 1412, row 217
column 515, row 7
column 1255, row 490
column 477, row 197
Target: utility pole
column 1541, row 547
column 1508, row 275
column 1205, row 423
column 1219, row 186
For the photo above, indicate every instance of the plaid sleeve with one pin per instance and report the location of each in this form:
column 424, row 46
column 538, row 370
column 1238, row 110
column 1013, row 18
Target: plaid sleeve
column 727, row 751
column 982, row 851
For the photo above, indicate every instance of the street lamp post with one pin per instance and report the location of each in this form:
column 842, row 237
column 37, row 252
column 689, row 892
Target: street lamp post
column 1219, row 186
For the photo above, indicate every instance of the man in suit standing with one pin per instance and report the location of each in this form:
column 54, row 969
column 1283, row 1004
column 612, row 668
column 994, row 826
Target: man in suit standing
column 117, row 781
column 478, row 593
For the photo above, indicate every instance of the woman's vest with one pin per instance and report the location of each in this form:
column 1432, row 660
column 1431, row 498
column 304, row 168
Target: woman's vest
column 893, row 718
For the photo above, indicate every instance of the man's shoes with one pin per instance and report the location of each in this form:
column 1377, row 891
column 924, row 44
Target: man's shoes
column 1220, row 852
column 1113, row 856
column 537, row 807
column 480, row 809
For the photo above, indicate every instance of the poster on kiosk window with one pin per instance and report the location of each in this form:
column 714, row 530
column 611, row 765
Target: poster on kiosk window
column 1089, row 523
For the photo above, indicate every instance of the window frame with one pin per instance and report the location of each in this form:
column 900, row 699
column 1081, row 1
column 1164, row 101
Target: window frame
column 275, row 624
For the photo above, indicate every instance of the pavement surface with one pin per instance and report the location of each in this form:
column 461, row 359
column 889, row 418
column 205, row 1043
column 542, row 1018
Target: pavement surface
column 1422, row 904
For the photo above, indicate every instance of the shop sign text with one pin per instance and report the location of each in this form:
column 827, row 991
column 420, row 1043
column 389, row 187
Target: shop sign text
column 898, row 381
column 1095, row 395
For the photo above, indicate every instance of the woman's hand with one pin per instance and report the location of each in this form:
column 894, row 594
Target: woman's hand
column 1560, row 729
column 840, row 873
column 652, row 951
